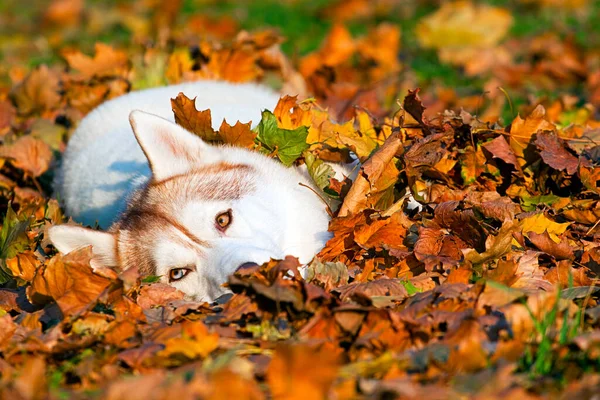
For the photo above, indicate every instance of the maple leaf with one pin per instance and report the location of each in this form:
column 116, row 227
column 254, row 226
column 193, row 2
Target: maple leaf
column 107, row 62
column 188, row 117
column 240, row 134
column 286, row 144
column 195, row 341
column 70, row 281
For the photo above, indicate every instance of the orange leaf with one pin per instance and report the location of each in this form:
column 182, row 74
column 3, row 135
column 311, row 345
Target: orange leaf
column 38, row 92
column 294, row 374
column 23, row 265
column 70, row 281
column 187, row 116
column 31, row 155
column 107, row 62
column 239, row 134
column 196, row 341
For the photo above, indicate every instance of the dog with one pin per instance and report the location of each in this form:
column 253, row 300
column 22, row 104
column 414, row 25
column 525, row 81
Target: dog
column 177, row 207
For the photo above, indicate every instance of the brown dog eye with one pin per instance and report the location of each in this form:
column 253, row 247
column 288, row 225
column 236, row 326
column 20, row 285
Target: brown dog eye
column 223, row 220
column 178, row 273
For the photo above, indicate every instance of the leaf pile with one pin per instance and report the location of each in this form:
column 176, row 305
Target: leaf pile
column 463, row 260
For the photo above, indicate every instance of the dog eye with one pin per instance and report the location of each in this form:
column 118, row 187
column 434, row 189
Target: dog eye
column 178, row 273
column 223, row 220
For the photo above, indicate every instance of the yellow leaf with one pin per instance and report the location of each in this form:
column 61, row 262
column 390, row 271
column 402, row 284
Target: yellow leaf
column 194, row 342
column 463, row 24
column 540, row 223
column 522, row 130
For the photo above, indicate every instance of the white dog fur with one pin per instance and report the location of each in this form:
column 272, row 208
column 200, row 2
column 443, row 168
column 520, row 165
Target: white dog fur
column 167, row 221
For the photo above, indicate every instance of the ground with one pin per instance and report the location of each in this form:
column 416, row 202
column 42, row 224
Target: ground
column 485, row 112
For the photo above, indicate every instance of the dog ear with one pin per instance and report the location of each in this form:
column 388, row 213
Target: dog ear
column 67, row 238
column 169, row 148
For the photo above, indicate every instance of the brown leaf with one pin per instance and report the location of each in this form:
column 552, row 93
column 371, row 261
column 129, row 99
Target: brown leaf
column 502, row 209
column 554, row 153
column 38, row 92
column 499, row 148
column 462, row 223
column 187, row 116
column 31, row 155
column 378, row 287
column 413, row 106
column 543, row 241
column 294, row 375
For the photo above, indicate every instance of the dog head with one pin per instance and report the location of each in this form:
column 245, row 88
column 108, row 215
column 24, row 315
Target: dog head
column 206, row 212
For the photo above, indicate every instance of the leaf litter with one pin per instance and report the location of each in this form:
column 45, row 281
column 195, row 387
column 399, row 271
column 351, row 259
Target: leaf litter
column 486, row 289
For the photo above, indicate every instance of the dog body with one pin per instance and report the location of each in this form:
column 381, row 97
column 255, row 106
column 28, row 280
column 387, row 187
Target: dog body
column 187, row 211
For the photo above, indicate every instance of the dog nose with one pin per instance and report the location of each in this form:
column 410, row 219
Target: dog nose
column 245, row 267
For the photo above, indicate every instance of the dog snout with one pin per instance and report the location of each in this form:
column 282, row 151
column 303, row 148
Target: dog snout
column 246, row 267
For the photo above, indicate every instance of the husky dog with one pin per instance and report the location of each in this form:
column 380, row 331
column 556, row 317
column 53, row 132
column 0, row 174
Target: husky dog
column 176, row 206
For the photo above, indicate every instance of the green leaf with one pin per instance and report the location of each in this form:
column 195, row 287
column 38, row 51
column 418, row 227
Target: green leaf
column 410, row 288
column 287, row 144
column 530, row 203
column 151, row 279
column 13, row 240
column 319, row 171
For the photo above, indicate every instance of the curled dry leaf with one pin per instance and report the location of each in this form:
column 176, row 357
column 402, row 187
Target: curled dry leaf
column 364, row 191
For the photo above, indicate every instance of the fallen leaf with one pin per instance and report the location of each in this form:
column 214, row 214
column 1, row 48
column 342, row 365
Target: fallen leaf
column 293, row 374
column 31, row 155
column 554, row 153
column 38, row 92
